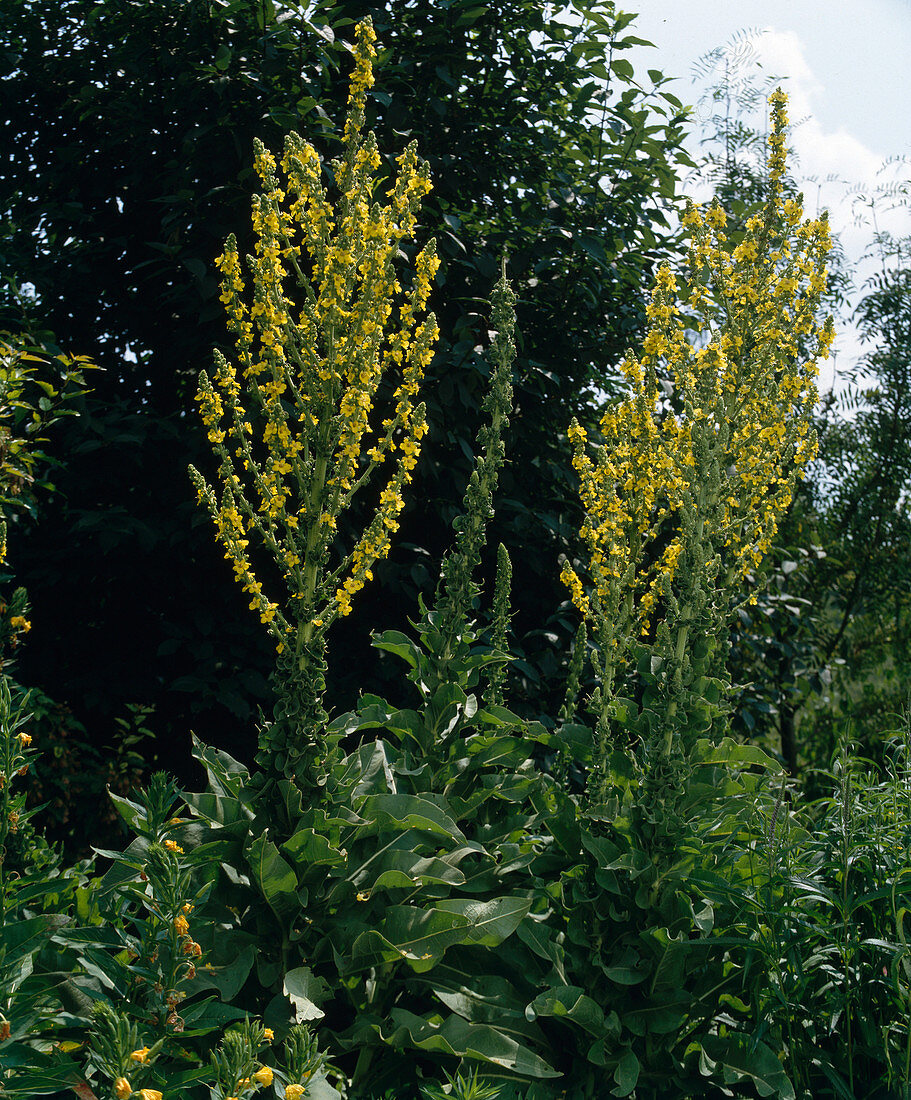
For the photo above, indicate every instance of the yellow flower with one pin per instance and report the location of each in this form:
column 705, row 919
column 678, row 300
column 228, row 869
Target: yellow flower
column 264, row 1076
column 149, row 1094
column 294, row 1092
column 173, row 846
column 268, row 1034
column 181, row 925
column 25, row 739
column 122, row 1088
column 140, row 1055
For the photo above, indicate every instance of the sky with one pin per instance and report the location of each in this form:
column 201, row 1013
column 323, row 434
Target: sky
column 846, row 69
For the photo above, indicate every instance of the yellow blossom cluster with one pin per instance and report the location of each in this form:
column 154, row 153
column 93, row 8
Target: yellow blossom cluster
column 706, row 446
column 324, row 334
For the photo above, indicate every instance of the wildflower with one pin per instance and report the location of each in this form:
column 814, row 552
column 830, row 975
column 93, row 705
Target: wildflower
column 140, row 1055
column 186, row 907
column 294, row 1092
column 363, row 896
column 122, row 1088
column 20, row 622
column 315, row 375
column 25, row 739
column 711, row 479
column 264, row 1076
column 181, row 925
column 173, row 846
column 149, row 1094
column 269, row 1034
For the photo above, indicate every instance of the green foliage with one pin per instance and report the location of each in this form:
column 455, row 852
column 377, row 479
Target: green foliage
column 36, row 383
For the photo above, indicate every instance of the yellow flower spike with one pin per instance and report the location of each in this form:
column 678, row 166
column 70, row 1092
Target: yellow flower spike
column 719, row 475
column 323, row 328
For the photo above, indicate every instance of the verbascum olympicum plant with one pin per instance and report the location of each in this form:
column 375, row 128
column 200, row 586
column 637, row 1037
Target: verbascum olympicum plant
column 684, row 493
column 457, row 589
column 321, row 323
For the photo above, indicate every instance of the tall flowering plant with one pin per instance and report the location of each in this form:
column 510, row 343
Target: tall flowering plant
column 321, row 323
column 696, row 466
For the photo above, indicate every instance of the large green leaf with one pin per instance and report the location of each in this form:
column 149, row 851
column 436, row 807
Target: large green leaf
column 572, row 1003
column 398, row 868
column 226, row 775
column 219, row 809
column 24, row 937
column 409, row 811
column 491, row 921
column 626, row 1074
column 741, row 1057
column 458, row 1037
column 309, row 848
column 306, row 992
column 393, row 641
column 274, row 877
column 540, row 938
column 418, row 936
column 483, row 998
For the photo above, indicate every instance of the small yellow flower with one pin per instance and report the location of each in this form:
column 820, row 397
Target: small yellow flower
column 364, row 895
column 264, row 1076
column 122, row 1088
column 25, row 739
column 173, row 846
column 140, row 1055
column 268, row 1034
column 294, row 1092
column 181, row 925
column 149, row 1094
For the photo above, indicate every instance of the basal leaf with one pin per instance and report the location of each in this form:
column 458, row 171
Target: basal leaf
column 491, row 921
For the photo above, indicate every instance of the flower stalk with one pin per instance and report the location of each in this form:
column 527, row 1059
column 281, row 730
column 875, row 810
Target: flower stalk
column 697, row 465
column 330, row 351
